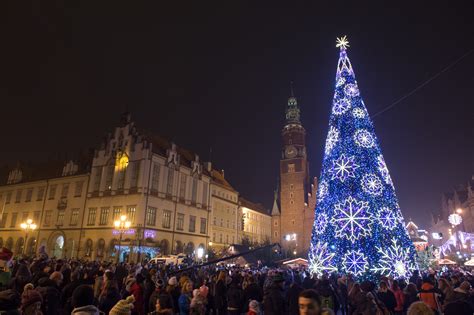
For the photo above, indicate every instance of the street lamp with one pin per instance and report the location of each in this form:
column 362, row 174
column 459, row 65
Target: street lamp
column 121, row 225
column 27, row 227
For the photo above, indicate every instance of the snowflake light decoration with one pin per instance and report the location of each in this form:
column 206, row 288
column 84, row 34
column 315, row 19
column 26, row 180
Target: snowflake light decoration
column 384, row 170
column 331, row 140
column 323, row 190
column 388, row 218
column 371, row 184
column 343, row 168
column 320, row 259
column 354, row 262
column 394, row 261
column 358, row 113
column 351, row 90
column 364, row 138
column 320, row 222
column 341, row 106
column 340, row 81
column 352, row 219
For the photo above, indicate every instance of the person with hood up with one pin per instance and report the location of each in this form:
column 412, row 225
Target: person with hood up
column 173, row 290
column 429, row 295
column 10, row 302
column 31, row 301
column 22, row 277
column 83, row 301
column 274, row 300
column 123, row 307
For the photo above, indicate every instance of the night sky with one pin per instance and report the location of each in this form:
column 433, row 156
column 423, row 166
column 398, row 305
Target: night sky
column 214, row 76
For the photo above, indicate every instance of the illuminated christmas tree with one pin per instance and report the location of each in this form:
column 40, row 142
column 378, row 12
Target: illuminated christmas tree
column 358, row 228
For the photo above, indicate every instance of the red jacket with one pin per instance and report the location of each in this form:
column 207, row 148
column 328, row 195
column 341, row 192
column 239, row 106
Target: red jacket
column 138, row 305
column 400, row 298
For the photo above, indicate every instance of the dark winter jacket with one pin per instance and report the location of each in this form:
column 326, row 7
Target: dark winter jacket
column 109, row 299
column 51, row 296
column 235, row 297
column 274, row 301
column 388, row 299
column 292, row 298
column 155, row 297
column 220, row 295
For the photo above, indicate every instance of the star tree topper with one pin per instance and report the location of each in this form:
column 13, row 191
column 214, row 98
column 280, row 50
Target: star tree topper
column 342, row 42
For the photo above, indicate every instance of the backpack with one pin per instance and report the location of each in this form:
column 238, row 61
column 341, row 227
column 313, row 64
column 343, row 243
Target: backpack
column 327, row 302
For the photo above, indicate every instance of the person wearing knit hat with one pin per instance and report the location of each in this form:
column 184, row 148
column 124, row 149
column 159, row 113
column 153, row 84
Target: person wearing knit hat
column 83, row 301
column 123, row 307
column 31, row 300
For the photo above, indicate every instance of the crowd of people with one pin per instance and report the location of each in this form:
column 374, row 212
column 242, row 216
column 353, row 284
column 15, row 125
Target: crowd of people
column 48, row 286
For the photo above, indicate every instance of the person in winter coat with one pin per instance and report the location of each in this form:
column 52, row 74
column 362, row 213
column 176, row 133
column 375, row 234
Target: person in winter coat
column 148, row 289
column 327, row 296
column 274, row 300
column 429, row 295
column 447, row 292
column 155, row 296
column 164, row 305
column 184, row 300
column 10, row 302
column 136, row 290
column 31, row 301
column 386, row 296
column 252, row 291
column 66, row 293
column 123, row 307
column 22, row 277
column 109, row 297
column 50, row 292
column 235, row 297
column 220, row 294
column 198, row 303
column 458, row 308
column 419, row 308
column 173, row 290
column 83, row 301
column 399, row 298
column 292, row 298
column 411, row 295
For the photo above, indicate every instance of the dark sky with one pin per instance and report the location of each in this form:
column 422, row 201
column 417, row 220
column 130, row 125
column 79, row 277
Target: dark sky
column 218, row 76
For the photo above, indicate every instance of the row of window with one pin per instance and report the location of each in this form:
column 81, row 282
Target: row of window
column 253, row 229
column 47, row 221
column 110, row 170
column 221, row 223
column 224, row 195
column 40, row 192
column 220, row 240
column 104, row 214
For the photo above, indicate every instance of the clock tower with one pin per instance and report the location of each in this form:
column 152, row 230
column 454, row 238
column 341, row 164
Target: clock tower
column 297, row 194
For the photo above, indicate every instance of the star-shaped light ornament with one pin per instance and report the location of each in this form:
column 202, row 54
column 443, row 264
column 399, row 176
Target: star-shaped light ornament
column 342, row 42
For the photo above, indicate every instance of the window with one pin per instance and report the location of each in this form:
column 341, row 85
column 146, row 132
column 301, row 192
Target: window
column 123, row 163
column 47, row 217
column 29, row 193
column 169, row 185
column 14, row 218
column 182, row 186
column 166, row 223
column 275, row 223
column 155, row 181
column 91, row 217
column 215, row 221
column 135, row 170
column 3, row 222
column 291, row 195
column 74, row 216
column 24, row 216
column 104, row 216
column 180, row 222
column 227, row 223
column 18, row 196
column 276, row 234
column 60, row 218
column 194, row 192
column 52, row 192
column 78, row 188
column 131, row 213
column 293, row 222
column 291, row 168
column 214, row 237
column 204, row 194
column 151, row 216
column 222, row 222
column 65, row 190
column 40, row 194
column 9, row 197
column 116, row 214
column 291, row 186
column 192, row 223
column 97, row 176
column 220, row 238
column 109, row 176
column 227, row 239
column 202, row 230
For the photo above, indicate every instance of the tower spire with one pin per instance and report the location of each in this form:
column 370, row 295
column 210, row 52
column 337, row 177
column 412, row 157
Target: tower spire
column 291, row 89
column 292, row 110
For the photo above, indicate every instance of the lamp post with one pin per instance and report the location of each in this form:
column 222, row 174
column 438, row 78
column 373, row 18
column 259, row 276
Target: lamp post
column 27, row 227
column 121, row 225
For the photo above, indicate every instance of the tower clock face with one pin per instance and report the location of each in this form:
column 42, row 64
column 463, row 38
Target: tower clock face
column 290, row 152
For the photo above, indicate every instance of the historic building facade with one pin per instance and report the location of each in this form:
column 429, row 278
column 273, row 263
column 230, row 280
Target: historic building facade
column 257, row 222
column 174, row 202
column 292, row 221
